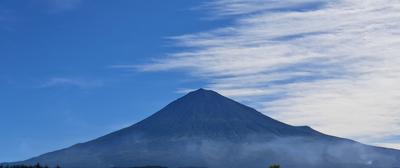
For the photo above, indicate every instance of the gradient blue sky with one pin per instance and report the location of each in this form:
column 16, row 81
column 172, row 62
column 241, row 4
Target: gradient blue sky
column 57, row 86
column 73, row 70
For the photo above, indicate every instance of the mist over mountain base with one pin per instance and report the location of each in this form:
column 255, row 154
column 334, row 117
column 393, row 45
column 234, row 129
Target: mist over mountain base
column 206, row 129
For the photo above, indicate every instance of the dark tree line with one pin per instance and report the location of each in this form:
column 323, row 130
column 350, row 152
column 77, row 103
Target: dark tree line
column 45, row 166
column 26, row 166
column 272, row 166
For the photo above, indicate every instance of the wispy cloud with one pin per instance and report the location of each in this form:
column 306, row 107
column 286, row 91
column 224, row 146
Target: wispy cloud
column 64, row 5
column 7, row 19
column 333, row 65
column 71, row 82
column 57, row 6
column 221, row 8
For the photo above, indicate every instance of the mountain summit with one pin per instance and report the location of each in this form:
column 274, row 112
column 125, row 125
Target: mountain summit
column 206, row 129
column 205, row 113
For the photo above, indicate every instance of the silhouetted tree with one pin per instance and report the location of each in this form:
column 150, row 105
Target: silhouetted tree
column 274, row 166
column 25, row 166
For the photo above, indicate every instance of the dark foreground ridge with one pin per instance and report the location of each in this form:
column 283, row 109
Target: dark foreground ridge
column 206, row 129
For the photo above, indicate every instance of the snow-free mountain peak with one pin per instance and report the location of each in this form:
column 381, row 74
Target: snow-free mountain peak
column 205, row 113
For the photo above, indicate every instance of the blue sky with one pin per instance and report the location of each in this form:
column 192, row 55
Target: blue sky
column 56, row 82
column 73, row 70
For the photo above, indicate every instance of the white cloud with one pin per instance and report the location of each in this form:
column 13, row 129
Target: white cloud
column 71, row 82
column 239, row 7
column 334, row 67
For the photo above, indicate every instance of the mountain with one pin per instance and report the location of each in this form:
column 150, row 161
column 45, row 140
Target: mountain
column 206, row 129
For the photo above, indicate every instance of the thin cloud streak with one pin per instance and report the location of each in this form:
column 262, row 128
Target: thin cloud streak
column 57, row 6
column 71, row 82
column 221, row 8
column 334, row 67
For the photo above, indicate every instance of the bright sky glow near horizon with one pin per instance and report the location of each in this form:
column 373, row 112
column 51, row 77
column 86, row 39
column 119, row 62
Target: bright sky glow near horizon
column 73, row 70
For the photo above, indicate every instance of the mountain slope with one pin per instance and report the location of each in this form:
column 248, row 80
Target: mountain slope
column 208, row 114
column 204, row 128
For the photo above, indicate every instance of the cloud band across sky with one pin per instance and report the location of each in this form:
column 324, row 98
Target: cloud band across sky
column 332, row 65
